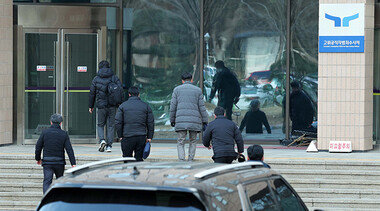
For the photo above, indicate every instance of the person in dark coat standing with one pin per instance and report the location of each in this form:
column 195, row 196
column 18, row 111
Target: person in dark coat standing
column 134, row 125
column 221, row 135
column 53, row 141
column 187, row 114
column 301, row 108
column 228, row 87
column 106, row 111
column 254, row 119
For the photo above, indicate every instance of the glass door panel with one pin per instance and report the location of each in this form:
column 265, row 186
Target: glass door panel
column 40, row 88
column 81, row 65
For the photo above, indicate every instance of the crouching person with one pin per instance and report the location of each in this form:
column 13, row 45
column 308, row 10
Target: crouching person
column 54, row 141
column 221, row 135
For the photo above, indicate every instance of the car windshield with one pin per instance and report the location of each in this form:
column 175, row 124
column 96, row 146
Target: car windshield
column 80, row 199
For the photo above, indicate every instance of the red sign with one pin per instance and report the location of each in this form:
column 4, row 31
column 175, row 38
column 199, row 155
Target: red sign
column 41, row 68
column 82, row 69
column 340, row 146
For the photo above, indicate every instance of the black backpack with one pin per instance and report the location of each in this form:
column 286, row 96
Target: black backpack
column 115, row 92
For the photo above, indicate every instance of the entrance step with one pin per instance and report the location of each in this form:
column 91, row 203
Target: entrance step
column 348, row 204
column 323, row 165
column 317, row 183
column 338, row 193
column 330, row 174
column 21, row 196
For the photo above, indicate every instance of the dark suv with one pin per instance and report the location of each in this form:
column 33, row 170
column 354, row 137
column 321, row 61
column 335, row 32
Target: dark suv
column 111, row 185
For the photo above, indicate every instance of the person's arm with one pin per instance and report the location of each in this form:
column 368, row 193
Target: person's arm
column 202, row 108
column 119, row 122
column 118, row 82
column 150, row 123
column 70, row 151
column 243, row 122
column 215, row 85
column 173, row 107
column 207, row 137
column 39, row 146
column 266, row 124
column 238, row 139
column 92, row 95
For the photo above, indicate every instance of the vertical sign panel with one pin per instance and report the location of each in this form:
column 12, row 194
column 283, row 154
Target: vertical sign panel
column 341, row 28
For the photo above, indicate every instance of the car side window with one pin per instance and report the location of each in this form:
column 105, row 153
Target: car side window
column 259, row 196
column 286, row 198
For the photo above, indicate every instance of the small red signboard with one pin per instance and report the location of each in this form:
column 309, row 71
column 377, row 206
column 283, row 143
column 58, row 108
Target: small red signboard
column 340, row 146
column 41, row 68
column 82, row 69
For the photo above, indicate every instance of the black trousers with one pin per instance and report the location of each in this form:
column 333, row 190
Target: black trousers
column 227, row 159
column 134, row 144
column 49, row 170
column 227, row 105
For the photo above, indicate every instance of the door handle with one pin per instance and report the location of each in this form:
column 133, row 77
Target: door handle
column 67, row 83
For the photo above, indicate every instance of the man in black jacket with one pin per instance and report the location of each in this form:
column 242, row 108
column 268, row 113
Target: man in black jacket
column 301, row 108
column 106, row 111
column 228, row 87
column 222, row 134
column 53, row 141
column 134, row 124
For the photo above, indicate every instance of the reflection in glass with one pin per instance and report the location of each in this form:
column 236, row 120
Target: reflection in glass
column 165, row 43
column 250, row 37
column 39, row 82
column 304, row 52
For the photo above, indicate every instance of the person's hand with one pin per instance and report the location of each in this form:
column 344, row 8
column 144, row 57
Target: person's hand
column 120, row 139
column 209, row 147
column 172, row 124
column 39, row 162
column 236, row 100
column 73, row 166
column 148, row 140
column 90, row 110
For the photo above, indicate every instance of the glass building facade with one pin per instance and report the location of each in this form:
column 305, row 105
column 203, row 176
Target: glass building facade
column 161, row 39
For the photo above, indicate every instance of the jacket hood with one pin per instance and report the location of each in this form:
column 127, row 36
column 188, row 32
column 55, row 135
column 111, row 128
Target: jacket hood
column 105, row 73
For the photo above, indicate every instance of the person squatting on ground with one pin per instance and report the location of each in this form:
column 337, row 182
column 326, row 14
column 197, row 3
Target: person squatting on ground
column 256, row 153
column 134, row 125
column 53, row 141
column 187, row 114
column 221, row 135
column 301, row 108
column 228, row 87
column 254, row 119
column 106, row 89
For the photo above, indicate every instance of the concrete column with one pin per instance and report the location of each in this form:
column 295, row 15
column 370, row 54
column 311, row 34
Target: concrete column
column 6, row 71
column 345, row 90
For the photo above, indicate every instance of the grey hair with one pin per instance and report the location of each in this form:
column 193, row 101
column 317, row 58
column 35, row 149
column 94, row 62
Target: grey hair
column 56, row 118
column 255, row 104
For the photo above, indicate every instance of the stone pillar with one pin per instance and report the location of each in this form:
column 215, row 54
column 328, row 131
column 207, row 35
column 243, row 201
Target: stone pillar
column 345, row 90
column 6, row 71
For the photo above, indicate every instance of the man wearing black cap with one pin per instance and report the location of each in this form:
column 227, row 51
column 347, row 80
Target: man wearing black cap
column 53, row 141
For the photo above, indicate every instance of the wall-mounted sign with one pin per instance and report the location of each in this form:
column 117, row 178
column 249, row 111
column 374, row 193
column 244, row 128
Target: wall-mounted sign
column 82, row 69
column 50, row 68
column 341, row 28
column 340, row 146
column 41, row 68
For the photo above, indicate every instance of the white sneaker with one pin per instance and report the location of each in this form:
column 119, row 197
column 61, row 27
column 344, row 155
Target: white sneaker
column 102, row 146
column 108, row 149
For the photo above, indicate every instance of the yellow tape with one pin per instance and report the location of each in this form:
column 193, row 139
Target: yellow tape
column 376, row 94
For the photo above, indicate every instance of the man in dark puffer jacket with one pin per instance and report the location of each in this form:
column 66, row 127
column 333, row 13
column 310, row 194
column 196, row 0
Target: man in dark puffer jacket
column 53, row 141
column 134, row 124
column 221, row 135
column 106, row 112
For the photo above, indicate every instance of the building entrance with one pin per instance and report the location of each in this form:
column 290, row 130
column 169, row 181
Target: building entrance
column 59, row 68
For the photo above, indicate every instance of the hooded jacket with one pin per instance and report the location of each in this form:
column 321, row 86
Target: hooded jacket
column 98, row 89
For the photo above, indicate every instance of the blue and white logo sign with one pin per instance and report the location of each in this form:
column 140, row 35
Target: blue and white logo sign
column 341, row 28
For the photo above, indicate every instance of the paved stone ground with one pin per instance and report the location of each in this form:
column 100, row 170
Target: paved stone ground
column 169, row 151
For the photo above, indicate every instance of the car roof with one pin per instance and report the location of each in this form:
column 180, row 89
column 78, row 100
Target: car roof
column 165, row 176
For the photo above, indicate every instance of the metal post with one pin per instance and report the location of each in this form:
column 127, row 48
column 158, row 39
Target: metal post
column 119, row 46
column 201, row 40
column 287, row 91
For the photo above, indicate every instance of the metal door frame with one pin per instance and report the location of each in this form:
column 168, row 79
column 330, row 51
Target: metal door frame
column 60, row 69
